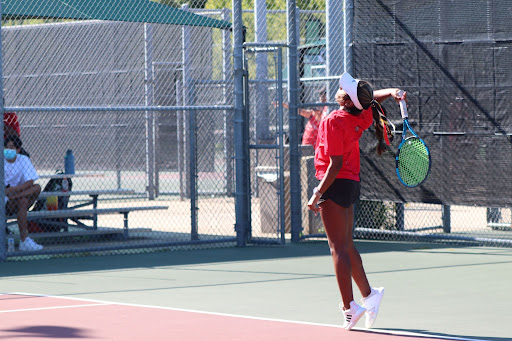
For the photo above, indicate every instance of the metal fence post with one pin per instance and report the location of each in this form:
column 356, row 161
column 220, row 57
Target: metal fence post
column 282, row 194
column 293, row 96
column 194, row 233
column 150, row 115
column 187, row 76
column 242, row 178
column 181, row 127
column 348, row 36
column 446, row 215
column 188, row 92
column 261, row 112
column 3, row 224
column 227, row 72
column 400, row 216
column 334, row 41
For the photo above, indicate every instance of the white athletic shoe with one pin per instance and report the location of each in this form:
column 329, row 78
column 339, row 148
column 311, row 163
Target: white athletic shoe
column 371, row 303
column 352, row 315
column 30, row 245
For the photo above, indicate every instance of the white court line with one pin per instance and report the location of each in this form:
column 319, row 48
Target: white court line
column 55, row 307
column 390, row 332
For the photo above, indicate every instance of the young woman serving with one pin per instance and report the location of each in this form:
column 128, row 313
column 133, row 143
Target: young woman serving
column 337, row 163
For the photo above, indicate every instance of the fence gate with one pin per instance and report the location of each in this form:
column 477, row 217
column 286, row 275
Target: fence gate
column 269, row 183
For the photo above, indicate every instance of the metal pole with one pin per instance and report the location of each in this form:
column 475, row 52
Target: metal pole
column 156, row 148
column 121, row 109
column 282, row 192
column 400, row 216
column 192, row 125
column 348, row 36
column 293, row 96
column 227, row 69
column 181, row 139
column 446, row 214
column 150, row 124
column 3, row 223
column 241, row 180
column 186, row 99
column 334, row 41
column 261, row 120
column 193, row 173
column 117, row 140
column 246, row 148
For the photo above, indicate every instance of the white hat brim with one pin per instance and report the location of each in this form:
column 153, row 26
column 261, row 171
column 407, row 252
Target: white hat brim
column 349, row 84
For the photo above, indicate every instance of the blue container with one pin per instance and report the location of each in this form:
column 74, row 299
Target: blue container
column 69, row 162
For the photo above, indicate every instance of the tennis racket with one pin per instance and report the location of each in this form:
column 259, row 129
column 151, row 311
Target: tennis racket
column 413, row 157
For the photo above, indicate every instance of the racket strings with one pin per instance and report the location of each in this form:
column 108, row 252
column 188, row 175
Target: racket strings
column 413, row 162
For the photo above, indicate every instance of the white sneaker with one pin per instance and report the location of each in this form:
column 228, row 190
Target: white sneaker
column 352, row 315
column 30, row 245
column 371, row 304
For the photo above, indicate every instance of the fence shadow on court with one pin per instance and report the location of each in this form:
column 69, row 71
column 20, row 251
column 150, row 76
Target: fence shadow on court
column 430, row 333
column 201, row 256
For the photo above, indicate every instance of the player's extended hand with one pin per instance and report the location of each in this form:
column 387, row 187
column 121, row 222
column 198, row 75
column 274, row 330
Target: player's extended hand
column 313, row 204
column 399, row 95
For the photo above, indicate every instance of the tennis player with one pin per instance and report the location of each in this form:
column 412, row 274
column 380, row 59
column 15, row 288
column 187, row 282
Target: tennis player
column 337, row 164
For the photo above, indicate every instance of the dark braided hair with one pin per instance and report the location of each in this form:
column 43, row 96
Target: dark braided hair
column 365, row 97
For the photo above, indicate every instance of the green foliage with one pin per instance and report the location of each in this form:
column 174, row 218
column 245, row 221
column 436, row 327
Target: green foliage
column 178, row 3
column 218, row 4
column 19, row 22
column 276, row 22
column 271, row 4
column 376, row 215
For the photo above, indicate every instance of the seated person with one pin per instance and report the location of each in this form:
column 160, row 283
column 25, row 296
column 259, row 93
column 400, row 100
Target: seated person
column 20, row 190
column 12, row 127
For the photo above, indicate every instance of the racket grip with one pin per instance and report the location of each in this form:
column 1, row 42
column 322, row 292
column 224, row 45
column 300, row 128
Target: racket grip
column 403, row 105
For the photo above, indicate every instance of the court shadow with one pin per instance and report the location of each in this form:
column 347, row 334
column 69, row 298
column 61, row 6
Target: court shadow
column 203, row 256
column 430, row 334
column 46, row 332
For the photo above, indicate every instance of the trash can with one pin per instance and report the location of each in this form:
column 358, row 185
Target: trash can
column 268, row 193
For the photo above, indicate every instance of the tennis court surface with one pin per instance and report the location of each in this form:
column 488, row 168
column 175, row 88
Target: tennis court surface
column 257, row 293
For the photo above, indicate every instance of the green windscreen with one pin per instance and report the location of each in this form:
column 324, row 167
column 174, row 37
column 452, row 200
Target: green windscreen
column 413, row 162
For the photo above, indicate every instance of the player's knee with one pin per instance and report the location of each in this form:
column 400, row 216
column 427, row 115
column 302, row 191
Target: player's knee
column 340, row 251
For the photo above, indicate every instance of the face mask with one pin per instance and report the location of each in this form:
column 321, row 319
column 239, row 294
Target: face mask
column 9, row 154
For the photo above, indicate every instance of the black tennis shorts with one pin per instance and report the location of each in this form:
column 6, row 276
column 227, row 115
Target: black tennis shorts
column 343, row 192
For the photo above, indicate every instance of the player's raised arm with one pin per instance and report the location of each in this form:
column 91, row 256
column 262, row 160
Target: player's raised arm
column 383, row 94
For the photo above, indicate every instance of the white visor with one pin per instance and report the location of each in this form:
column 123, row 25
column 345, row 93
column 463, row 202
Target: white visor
column 349, row 84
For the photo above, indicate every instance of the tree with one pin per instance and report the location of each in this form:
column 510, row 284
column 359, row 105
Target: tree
column 271, row 4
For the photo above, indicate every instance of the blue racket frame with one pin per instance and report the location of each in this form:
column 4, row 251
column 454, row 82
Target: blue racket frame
column 404, row 139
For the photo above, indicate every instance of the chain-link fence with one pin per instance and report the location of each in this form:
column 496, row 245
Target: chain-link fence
column 178, row 118
column 141, row 107
column 453, row 65
column 455, row 102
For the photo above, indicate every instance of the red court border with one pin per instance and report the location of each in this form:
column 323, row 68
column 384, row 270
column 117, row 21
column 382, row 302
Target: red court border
column 41, row 317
